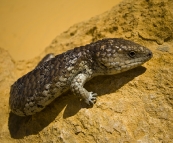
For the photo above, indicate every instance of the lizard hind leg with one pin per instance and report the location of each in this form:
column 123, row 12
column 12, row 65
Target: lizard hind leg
column 78, row 89
column 45, row 59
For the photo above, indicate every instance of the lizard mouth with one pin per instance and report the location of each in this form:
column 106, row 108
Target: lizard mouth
column 116, row 67
column 130, row 64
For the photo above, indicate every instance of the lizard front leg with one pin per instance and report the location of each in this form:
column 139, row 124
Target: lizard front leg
column 78, row 89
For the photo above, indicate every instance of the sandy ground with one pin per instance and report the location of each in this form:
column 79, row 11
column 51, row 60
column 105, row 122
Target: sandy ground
column 41, row 21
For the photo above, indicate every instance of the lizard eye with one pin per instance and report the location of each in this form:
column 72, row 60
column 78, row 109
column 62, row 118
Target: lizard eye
column 132, row 54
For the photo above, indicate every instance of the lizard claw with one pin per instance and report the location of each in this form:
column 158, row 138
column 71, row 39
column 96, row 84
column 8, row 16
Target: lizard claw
column 91, row 99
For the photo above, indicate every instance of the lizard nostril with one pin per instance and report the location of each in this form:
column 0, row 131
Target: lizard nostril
column 150, row 54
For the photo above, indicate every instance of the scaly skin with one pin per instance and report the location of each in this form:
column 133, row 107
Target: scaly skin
column 70, row 70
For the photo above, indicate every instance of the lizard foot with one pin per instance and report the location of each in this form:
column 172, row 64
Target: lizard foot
column 91, row 99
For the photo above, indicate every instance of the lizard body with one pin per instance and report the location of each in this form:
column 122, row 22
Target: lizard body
column 70, row 70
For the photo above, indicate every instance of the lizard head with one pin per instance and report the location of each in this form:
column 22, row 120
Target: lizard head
column 117, row 55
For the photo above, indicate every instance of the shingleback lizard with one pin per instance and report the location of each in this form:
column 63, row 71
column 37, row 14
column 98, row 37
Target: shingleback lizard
column 70, row 70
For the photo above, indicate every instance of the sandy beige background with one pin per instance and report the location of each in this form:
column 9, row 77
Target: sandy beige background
column 41, row 21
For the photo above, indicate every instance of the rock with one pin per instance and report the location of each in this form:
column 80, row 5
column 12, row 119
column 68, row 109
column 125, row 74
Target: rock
column 163, row 48
column 134, row 106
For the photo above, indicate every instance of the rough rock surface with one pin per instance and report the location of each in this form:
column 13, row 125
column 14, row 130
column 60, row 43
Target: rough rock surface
column 134, row 106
